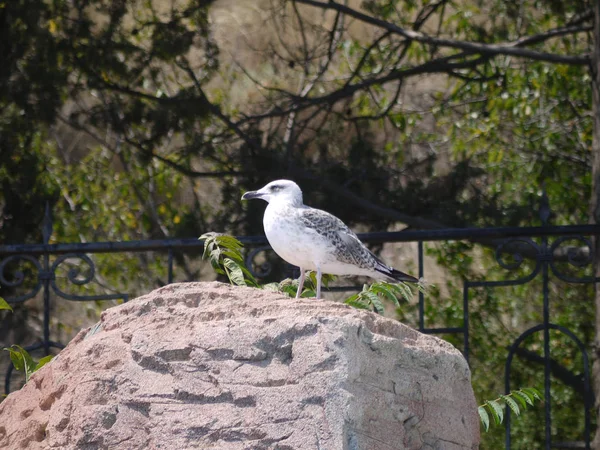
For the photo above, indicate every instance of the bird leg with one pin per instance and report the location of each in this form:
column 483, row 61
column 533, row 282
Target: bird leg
column 300, row 282
column 318, row 282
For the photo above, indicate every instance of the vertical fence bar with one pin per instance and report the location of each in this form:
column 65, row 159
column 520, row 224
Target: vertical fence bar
column 587, row 398
column 46, row 284
column 507, row 391
column 547, row 405
column 46, row 233
column 421, row 296
column 170, row 275
column 7, row 379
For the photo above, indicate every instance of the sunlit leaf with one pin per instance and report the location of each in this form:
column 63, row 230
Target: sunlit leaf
column 533, row 393
column 234, row 272
column 42, row 362
column 511, row 403
column 22, row 360
column 4, row 305
column 484, row 417
column 496, row 410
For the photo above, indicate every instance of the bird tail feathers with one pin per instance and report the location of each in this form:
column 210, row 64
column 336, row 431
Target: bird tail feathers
column 396, row 274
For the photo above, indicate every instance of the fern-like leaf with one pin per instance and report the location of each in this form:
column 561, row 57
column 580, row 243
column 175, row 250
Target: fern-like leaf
column 484, row 417
column 496, row 410
column 523, row 397
column 234, row 272
column 224, row 253
column 511, row 404
column 533, row 393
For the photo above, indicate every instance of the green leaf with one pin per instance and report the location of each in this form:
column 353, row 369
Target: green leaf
column 524, row 397
column 209, row 240
column 288, row 287
column 234, row 272
column 352, row 298
column 511, row 404
column 22, row 360
column 484, row 417
column 42, row 362
column 4, row 304
column 519, row 397
column 249, row 277
column 390, row 292
column 289, row 290
column 496, row 410
column 225, row 255
column 354, row 302
column 274, row 287
column 405, row 291
column 17, row 358
column 233, row 254
column 215, row 255
column 311, row 279
column 375, row 301
column 326, row 279
column 533, row 393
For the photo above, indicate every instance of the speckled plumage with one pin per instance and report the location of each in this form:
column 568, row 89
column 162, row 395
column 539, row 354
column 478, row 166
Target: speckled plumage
column 313, row 239
column 347, row 248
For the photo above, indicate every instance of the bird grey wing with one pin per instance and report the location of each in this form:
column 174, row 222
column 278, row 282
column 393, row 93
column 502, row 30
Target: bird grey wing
column 349, row 249
column 356, row 253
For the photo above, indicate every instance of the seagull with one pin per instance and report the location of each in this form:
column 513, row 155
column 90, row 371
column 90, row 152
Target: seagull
column 313, row 239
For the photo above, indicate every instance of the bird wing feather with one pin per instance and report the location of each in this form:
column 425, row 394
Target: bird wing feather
column 349, row 249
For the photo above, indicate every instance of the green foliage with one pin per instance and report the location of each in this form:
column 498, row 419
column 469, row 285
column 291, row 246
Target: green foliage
column 23, row 361
column 497, row 316
column 372, row 296
column 289, row 286
column 122, row 69
column 225, row 255
column 4, row 305
column 494, row 408
column 310, row 284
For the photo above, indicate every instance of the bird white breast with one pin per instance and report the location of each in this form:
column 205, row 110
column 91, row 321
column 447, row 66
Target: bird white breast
column 295, row 243
column 302, row 246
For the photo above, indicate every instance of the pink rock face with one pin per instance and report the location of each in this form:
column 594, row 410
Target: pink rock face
column 207, row 365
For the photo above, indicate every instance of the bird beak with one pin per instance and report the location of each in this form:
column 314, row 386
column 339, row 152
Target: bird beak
column 252, row 194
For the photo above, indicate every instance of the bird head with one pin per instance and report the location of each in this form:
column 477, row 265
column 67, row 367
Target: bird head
column 285, row 191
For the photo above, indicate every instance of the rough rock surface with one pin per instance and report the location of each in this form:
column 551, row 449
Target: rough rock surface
column 206, row 365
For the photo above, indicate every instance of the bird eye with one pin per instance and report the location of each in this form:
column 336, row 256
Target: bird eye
column 275, row 188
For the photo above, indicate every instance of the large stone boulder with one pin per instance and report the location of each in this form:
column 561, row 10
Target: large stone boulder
column 207, row 365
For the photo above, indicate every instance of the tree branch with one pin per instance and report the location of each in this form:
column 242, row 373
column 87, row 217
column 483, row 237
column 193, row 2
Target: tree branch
column 444, row 64
column 509, row 48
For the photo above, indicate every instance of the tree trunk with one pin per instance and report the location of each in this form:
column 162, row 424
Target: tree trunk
column 595, row 201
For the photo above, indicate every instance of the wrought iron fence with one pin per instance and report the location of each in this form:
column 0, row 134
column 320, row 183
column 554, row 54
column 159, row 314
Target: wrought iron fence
column 518, row 242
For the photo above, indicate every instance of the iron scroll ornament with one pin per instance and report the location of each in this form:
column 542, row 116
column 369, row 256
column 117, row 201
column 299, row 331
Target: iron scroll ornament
column 18, row 277
column 259, row 270
column 575, row 257
column 73, row 276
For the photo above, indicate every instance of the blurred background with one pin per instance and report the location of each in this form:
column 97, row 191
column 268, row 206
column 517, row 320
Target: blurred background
column 147, row 120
